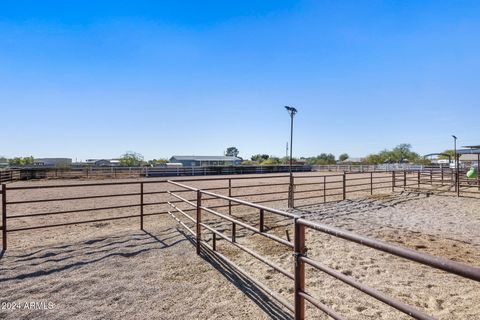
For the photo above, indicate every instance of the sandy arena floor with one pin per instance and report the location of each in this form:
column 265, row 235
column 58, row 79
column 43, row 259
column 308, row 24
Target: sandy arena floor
column 113, row 270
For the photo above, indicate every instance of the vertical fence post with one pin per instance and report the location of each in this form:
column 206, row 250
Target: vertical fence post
column 324, row 189
column 371, row 183
column 442, row 174
column 344, row 182
column 290, row 192
column 299, row 246
column 214, row 241
column 458, row 183
column 393, row 180
column 431, row 177
column 234, row 232
column 230, row 195
column 418, row 178
column 199, row 220
column 262, row 220
column 4, row 217
column 141, row 205
column 404, row 180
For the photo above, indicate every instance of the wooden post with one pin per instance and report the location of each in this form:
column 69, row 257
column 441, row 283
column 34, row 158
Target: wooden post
column 230, row 195
column 141, row 205
column 404, row 180
column 344, row 182
column 4, row 217
column 371, row 183
column 431, row 178
column 393, row 180
column 442, row 175
column 199, row 220
column 262, row 220
column 299, row 247
column 418, row 179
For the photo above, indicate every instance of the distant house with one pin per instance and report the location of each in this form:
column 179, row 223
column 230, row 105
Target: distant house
column 351, row 160
column 102, row 162
column 52, row 162
column 200, row 161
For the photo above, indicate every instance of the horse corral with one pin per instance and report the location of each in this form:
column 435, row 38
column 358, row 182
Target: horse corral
column 93, row 242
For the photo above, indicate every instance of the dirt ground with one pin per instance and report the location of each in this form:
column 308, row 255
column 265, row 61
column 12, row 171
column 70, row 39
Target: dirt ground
column 111, row 269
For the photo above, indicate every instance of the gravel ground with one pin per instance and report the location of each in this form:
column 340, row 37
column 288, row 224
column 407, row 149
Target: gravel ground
column 113, row 270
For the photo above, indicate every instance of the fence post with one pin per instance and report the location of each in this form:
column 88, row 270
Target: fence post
column 442, row 174
column 262, row 220
column 234, row 232
column 141, row 205
column 393, row 180
column 290, row 191
column 371, row 183
column 404, row 180
column 230, row 195
column 324, row 189
column 4, row 217
column 431, row 177
column 458, row 183
column 299, row 247
column 199, row 220
column 418, row 178
column 344, row 185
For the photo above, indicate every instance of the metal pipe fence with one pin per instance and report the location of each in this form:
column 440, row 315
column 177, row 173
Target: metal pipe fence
column 299, row 251
column 9, row 175
column 307, row 190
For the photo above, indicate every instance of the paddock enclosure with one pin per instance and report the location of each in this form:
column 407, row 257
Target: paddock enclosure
column 366, row 245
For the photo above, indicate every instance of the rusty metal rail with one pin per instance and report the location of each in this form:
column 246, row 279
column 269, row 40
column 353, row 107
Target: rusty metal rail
column 306, row 190
column 299, row 250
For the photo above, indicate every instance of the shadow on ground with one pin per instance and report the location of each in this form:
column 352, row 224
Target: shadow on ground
column 55, row 259
column 249, row 288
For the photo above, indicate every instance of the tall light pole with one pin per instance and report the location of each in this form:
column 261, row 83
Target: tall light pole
column 291, row 111
column 456, row 162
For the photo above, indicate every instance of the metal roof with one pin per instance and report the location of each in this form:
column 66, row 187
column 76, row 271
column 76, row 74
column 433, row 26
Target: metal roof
column 206, row 158
column 472, row 147
column 469, row 151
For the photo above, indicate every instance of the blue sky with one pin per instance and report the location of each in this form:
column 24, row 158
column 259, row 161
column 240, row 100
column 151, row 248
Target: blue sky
column 94, row 79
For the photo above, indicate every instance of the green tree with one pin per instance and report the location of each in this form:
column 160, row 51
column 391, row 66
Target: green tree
column 343, row 157
column 260, row 157
column 21, row 161
column 131, row 159
column 447, row 153
column 286, row 160
column 232, row 152
column 401, row 153
column 322, row 159
column 157, row 162
column 270, row 161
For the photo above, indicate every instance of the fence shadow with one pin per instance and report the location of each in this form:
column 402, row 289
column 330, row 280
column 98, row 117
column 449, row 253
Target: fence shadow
column 56, row 259
column 250, row 289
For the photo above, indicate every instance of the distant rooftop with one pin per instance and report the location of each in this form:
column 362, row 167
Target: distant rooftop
column 207, row 158
column 469, row 151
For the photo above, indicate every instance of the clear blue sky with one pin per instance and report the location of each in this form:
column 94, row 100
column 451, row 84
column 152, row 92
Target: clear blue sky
column 93, row 79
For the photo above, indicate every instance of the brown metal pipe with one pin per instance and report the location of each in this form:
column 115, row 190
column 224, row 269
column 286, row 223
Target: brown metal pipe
column 370, row 291
column 457, row 268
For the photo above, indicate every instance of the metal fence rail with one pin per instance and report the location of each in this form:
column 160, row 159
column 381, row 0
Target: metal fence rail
column 9, row 175
column 299, row 251
column 307, row 190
